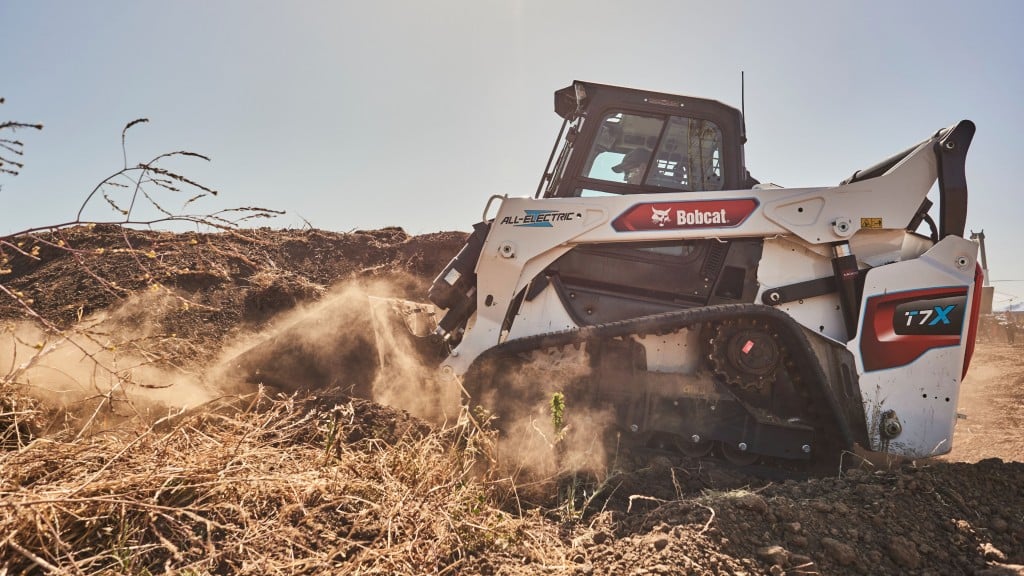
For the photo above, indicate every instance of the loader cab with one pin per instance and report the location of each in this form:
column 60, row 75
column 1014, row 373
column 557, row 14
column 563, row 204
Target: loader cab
column 622, row 141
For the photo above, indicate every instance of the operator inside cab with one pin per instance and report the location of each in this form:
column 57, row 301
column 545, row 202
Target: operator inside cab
column 634, row 165
column 661, row 152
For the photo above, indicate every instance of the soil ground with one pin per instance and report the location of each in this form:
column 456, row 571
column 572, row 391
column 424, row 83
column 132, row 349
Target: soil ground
column 959, row 514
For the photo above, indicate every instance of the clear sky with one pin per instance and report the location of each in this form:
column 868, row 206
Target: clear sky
column 364, row 114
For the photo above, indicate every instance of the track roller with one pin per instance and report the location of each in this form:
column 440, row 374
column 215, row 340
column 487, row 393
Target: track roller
column 694, row 446
column 737, row 454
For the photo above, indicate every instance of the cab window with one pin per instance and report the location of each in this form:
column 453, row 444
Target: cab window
column 674, row 152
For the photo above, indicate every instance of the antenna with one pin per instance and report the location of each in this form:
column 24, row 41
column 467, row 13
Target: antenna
column 743, row 95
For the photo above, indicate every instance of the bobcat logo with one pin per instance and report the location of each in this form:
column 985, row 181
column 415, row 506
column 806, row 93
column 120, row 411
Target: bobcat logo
column 660, row 217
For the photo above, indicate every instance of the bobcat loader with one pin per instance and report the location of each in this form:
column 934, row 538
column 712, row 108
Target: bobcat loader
column 652, row 276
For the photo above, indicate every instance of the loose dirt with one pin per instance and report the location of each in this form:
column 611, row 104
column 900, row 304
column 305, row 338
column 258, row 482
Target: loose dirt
column 328, row 480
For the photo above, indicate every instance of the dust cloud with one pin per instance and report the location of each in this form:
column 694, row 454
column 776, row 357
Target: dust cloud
column 360, row 339
column 355, row 340
column 116, row 364
column 105, row 369
column 363, row 339
column 539, row 441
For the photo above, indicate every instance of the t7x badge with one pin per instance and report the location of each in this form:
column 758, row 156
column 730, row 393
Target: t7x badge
column 938, row 316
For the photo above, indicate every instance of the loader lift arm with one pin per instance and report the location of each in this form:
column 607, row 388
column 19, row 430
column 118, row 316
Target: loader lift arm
column 950, row 146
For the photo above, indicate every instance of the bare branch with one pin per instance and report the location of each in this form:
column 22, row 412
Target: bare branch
column 124, row 151
column 14, row 126
column 126, row 191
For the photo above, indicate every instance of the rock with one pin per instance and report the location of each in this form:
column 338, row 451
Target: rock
column 821, row 506
column 798, row 540
column 773, row 555
column 785, row 512
column 804, row 564
column 658, row 541
column 843, row 554
column 752, row 502
column 904, row 552
column 869, row 491
column 792, row 527
column 990, row 552
column 600, row 537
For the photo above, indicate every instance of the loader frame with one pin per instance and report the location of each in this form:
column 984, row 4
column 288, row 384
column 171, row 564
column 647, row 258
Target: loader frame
column 836, row 270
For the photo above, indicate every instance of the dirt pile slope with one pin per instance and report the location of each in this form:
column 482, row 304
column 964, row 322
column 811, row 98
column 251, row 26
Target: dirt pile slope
column 324, row 483
column 232, row 280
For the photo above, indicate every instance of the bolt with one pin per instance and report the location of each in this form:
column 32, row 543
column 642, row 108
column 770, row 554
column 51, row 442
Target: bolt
column 634, row 428
column 695, row 438
column 742, row 446
column 806, row 448
column 891, row 426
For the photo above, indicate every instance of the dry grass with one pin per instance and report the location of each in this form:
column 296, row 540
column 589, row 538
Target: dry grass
column 258, row 485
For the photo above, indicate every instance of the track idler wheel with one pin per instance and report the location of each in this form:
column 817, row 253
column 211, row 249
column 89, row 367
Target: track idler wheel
column 737, row 454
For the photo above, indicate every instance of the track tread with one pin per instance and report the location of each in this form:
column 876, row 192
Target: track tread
column 790, row 333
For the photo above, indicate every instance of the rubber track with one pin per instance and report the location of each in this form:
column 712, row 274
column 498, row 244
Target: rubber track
column 790, row 333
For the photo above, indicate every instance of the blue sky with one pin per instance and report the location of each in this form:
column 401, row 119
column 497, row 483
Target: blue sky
column 355, row 115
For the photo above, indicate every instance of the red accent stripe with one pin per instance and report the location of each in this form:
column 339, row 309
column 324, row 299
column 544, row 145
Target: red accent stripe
column 639, row 217
column 972, row 331
column 882, row 348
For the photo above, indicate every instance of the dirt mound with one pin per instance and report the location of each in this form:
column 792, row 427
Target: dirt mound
column 321, row 481
column 228, row 281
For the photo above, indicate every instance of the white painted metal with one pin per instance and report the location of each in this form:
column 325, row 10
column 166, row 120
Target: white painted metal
column 543, row 314
column 514, row 254
column 923, row 394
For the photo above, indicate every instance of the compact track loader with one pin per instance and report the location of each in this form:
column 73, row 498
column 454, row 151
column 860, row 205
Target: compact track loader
column 652, row 277
column 673, row 299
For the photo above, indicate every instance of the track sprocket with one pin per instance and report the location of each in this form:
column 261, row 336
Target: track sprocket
column 744, row 353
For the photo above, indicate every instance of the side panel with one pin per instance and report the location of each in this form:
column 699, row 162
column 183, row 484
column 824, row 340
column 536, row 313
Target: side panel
column 787, row 260
column 911, row 347
column 543, row 313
